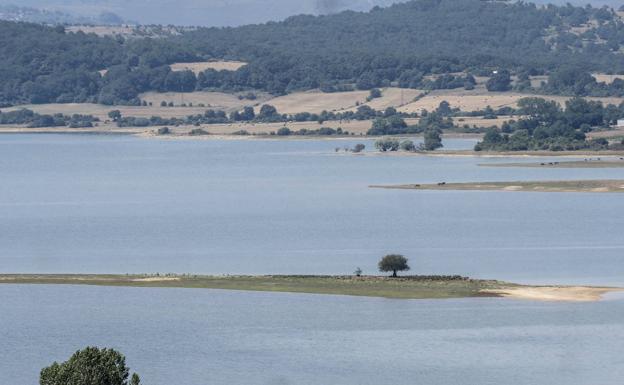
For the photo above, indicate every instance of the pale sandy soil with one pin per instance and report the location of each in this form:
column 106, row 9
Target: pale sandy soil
column 607, row 78
column 202, row 66
column 102, row 30
column 554, row 293
column 128, row 30
column 156, row 279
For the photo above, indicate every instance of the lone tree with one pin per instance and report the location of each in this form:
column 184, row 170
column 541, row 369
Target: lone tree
column 91, row 366
column 393, row 263
column 115, row 115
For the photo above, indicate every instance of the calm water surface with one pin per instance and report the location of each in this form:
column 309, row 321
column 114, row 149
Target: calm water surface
column 193, row 337
column 114, row 204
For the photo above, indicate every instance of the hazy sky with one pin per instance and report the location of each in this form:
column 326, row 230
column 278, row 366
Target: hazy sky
column 214, row 12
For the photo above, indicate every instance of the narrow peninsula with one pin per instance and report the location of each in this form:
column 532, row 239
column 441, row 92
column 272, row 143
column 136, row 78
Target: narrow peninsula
column 579, row 186
column 586, row 163
column 406, row 287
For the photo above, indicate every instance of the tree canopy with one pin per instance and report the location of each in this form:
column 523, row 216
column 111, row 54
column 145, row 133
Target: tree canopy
column 393, row 263
column 90, row 366
column 403, row 44
column 547, row 126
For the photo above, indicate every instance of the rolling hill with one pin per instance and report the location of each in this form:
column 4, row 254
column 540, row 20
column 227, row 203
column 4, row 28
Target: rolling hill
column 401, row 45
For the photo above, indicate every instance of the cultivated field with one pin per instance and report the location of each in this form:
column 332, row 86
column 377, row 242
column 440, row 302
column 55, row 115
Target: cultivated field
column 212, row 100
column 202, row 66
column 313, row 102
column 477, row 99
column 102, row 111
column 316, row 101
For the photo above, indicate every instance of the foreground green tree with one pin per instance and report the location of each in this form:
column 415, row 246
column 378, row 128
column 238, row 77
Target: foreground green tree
column 393, row 263
column 90, row 366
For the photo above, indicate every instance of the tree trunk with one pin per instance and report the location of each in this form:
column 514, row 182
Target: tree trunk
column 394, row 274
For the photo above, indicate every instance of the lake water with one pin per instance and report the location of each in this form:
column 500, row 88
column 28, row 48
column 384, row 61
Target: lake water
column 118, row 204
column 206, row 337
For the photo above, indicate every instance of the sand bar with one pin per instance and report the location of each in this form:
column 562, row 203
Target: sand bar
column 581, row 186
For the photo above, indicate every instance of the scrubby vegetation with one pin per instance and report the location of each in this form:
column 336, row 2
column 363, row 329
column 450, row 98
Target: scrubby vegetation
column 546, row 126
column 33, row 120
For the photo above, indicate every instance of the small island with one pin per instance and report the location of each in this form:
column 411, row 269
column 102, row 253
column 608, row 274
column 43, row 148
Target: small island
column 405, row 287
column 583, row 186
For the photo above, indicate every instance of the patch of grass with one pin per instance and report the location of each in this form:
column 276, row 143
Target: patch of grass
column 413, row 287
column 614, row 163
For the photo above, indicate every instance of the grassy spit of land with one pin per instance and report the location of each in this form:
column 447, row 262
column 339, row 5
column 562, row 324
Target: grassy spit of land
column 586, row 186
column 409, row 287
column 587, row 163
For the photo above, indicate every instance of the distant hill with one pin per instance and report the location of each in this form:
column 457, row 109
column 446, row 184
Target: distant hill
column 45, row 16
column 220, row 13
column 401, row 45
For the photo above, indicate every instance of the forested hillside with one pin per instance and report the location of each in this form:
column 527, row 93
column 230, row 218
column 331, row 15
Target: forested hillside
column 399, row 45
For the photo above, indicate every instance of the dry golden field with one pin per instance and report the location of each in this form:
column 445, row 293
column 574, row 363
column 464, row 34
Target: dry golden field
column 357, row 127
column 202, row 66
column 316, row 101
column 102, row 111
column 310, row 101
column 478, row 99
column 214, row 100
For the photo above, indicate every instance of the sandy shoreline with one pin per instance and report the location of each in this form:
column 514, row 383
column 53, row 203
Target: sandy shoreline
column 555, row 293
